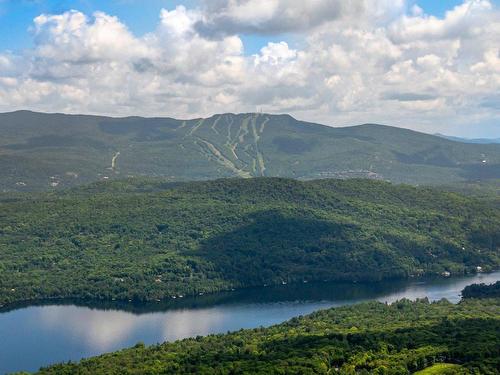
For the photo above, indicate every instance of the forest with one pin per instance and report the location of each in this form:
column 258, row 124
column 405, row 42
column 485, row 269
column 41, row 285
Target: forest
column 370, row 338
column 147, row 239
column 482, row 291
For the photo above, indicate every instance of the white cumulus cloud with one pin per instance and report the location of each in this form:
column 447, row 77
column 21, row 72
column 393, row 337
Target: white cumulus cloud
column 340, row 62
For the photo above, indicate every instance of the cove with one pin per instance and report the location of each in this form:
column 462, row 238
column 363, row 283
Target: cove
column 47, row 333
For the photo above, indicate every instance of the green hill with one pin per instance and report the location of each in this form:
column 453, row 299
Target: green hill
column 482, row 291
column 370, row 338
column 149, row 239
column 46, row 151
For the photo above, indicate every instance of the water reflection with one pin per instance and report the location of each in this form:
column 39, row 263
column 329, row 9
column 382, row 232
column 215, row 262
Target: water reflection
column 98, row 329
column 40, row 335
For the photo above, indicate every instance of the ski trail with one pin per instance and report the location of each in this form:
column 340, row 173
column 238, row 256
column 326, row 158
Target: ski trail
column 263, row 125
column 232, row 148
column 230, row 144
column 239, row 138
column 230, row 124
column 258, row 154
column 215, row 124
column 113, row 160
column 243, row 132
column 196, row 127
column 182, row 126
column 221, row 159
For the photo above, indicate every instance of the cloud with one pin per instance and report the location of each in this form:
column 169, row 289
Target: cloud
column 351, row 62
column 408, row 96
column 269, row 17
column 463, row 21
column 71, row 37
column 275, row 54
column 266, row 17
column 94, row 64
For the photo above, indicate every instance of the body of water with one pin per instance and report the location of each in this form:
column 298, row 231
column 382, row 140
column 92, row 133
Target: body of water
column 35, row 336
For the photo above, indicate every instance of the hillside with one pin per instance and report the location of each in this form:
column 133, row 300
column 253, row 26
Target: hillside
column 148, row 239
column 50, row 151
column 482, row 291
column 470, row 140
column 402, row 338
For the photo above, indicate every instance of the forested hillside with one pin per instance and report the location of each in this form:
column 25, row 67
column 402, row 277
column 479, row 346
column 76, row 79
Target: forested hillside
column 151, row 239
column 402, row 338
column 53, row 151
column 482, row 291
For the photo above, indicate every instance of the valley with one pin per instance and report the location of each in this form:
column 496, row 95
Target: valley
column 149, row 239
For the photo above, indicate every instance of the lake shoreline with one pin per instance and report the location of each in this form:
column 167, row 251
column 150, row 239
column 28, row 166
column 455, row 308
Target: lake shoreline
column 36, row 336
column 178, row 302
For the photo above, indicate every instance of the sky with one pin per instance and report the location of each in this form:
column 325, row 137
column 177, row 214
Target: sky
column 432, row 66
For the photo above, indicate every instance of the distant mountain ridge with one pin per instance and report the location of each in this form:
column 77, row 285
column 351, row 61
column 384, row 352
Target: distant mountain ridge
column 483, row 141
column 41, row 151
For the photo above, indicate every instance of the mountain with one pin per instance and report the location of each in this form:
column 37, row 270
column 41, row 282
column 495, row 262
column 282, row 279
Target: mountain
column 51, row 151
column 405, row 337
column 147, row 239
column 483, row 141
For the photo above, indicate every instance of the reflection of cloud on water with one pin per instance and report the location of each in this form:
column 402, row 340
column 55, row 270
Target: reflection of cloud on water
column 99, row 329
column 189, row 323
column 105, row 330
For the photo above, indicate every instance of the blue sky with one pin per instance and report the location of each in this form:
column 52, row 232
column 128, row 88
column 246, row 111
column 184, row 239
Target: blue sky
column 140, row 16
column 16, row 16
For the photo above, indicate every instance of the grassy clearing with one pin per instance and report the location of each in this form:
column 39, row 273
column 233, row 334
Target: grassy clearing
column 440, row 369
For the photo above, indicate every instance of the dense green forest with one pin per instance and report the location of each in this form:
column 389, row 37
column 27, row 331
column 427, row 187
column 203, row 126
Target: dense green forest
column 482, row 291
column 401, row 338
column 149, row 239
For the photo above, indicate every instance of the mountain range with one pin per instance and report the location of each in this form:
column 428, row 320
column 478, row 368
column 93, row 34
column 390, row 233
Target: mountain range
column 41, row 151
column 470, row 140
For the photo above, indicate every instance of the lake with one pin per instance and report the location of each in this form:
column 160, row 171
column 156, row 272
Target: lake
column 35, row 336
